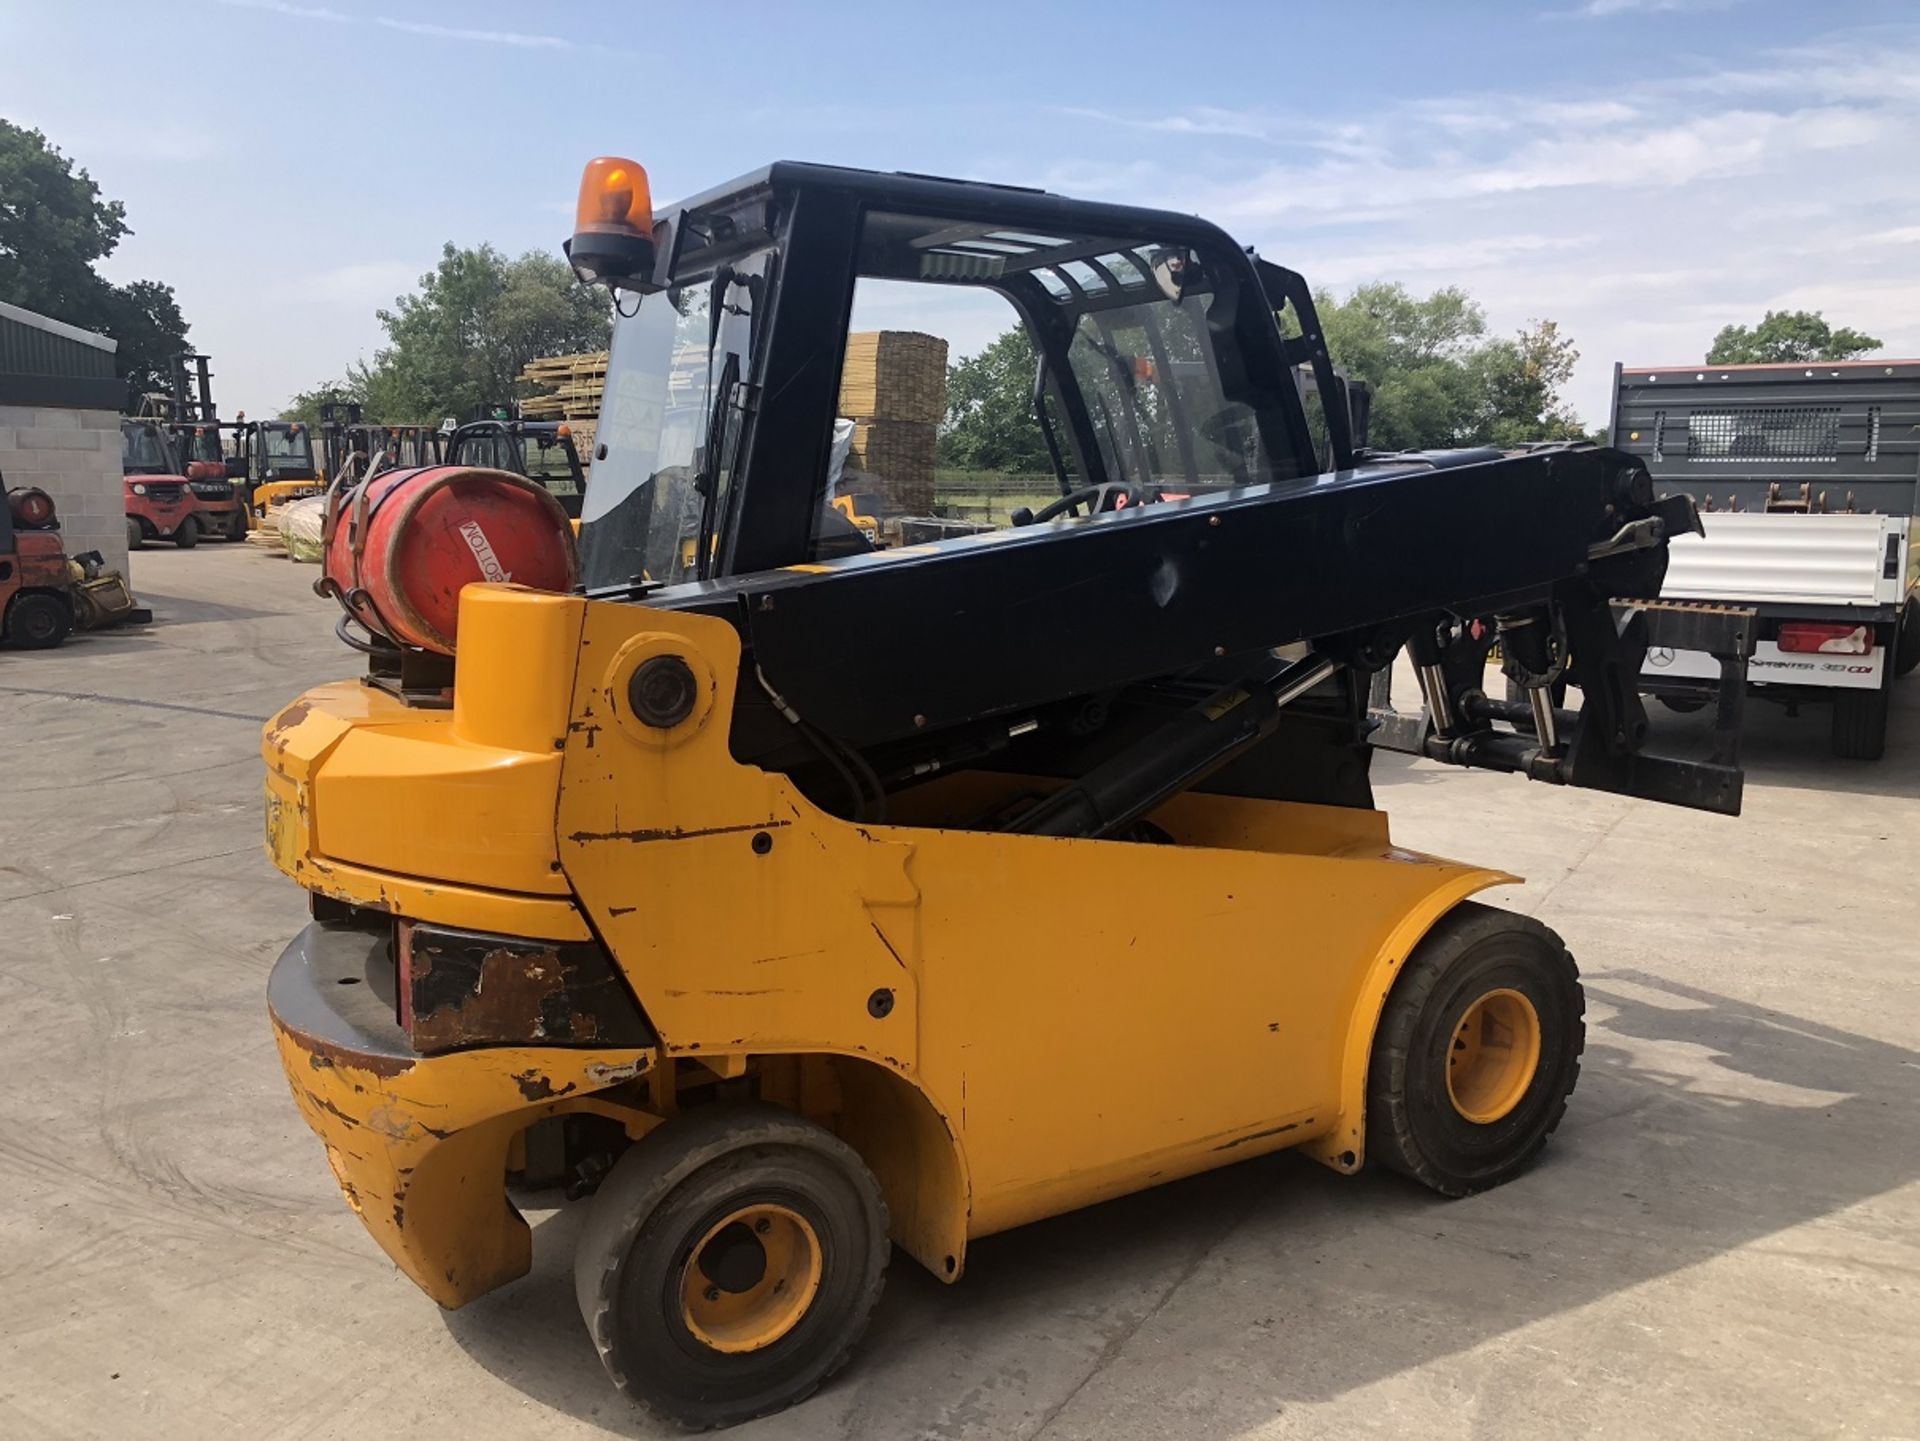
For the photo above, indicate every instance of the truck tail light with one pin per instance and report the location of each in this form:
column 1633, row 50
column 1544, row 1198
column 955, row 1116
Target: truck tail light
column 1825, row 638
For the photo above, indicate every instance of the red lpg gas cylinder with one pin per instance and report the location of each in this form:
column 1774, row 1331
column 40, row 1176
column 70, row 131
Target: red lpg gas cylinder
column 405, row 544
column 32, row 507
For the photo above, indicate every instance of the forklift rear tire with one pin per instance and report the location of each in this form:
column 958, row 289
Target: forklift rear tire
column 730, row 1263
column 135, row 535
column 1860, row 723
column 188, row 536
column 1476, row 1053
column 37, row 621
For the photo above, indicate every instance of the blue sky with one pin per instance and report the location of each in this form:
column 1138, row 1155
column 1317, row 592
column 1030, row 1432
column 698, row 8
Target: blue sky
column 1642, row 171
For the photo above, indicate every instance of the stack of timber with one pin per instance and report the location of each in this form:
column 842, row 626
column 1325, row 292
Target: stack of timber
column 567, row 388
column 894, row 389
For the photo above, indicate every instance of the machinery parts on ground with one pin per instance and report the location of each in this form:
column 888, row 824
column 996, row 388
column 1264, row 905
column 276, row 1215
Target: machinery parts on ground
column 788, row 895
column 45, row 594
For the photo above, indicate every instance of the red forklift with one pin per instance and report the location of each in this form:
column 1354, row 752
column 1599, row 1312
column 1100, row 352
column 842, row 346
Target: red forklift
column 44, row 592
column 219, row 509
column 159, row 498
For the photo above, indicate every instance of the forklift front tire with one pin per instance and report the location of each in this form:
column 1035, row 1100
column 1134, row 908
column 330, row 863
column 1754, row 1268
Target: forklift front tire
column 730, row 1263
column 188, row 535
column 1476, row 1052
column 38, row 621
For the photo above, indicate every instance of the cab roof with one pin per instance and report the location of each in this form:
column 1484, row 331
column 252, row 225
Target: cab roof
column 940, row 194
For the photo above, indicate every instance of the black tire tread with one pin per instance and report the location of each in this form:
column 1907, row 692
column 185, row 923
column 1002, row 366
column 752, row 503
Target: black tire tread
column 641, row 1182
column 1860, row 723
column 57, row 612
column 1906, row 646
column 1390, row 1138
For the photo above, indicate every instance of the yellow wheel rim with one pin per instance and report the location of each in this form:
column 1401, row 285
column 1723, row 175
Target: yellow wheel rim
column 750, row 1279
column 1495, row 1051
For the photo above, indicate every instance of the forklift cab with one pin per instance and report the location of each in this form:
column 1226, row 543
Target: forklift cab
column 278, row 450
column 540, row 450
column 274, row 461
column 1160, row 370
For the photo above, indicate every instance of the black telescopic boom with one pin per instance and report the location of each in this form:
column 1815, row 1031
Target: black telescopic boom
column 1173, row 758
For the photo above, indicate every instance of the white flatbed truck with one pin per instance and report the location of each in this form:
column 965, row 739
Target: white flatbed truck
column 1807, row 478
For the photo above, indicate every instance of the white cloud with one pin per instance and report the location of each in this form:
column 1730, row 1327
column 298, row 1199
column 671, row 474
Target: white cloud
column 1606, row 9
column 486, row 37
column 1643, row 221
column 299, row 12
column 518, row 39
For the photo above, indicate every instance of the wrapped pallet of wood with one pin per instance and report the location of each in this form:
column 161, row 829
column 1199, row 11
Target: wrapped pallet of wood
column 897, row 458
column 893, row 387
column 894, row 375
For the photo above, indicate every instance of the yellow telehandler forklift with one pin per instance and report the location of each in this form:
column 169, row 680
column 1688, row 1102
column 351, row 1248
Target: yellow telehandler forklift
column 794, row 900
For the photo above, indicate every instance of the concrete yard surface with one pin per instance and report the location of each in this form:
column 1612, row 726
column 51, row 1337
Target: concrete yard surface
column 1723, row 1238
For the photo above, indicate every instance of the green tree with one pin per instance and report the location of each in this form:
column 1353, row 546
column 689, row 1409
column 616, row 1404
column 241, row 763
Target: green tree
column 990, row 423
column 462, row 339
column 54, row 226
column 1519, row 382
column 1789, row 336
column 1438, row 379
column 306, row 405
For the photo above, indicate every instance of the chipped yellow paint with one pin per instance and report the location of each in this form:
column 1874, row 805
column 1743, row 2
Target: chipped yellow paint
column 420, row 1150
column 1006, row 1027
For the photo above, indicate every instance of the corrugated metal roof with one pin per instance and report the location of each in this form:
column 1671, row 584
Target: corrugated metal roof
column 35, row 344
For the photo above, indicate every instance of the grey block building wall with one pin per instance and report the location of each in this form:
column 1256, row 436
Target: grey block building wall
column 60, row 426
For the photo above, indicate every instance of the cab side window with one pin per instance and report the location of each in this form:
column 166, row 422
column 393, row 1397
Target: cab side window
column 936, row 432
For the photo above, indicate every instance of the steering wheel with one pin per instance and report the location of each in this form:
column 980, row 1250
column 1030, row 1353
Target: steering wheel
column 1110, row 495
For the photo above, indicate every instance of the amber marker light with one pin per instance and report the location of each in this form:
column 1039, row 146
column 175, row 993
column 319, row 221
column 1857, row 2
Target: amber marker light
column 612, row 240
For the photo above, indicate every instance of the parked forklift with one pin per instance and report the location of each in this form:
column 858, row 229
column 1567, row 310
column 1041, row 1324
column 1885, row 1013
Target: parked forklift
column 273, row 461
column 45, row 594
column 353, row 445
column 157, row 494
column 541, row 450
column 794, row 900
column 192, row 432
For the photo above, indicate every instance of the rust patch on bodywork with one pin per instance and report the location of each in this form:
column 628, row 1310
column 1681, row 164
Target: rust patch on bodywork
column 287, row 720
column 469, row 989
column 537, row 1086
column 323, row 1055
